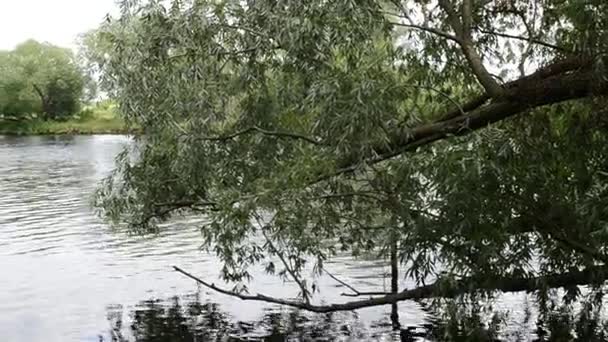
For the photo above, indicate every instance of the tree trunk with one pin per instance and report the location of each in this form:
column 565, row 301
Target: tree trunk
column 394, row 283
column 44, row 101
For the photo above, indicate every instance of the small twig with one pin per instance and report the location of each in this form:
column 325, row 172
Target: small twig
column 305, row 292
column 468, row 106
column 219, row 53
column 252, row 129
column 580, row 247
column 356, row 293
column 246, row 29
column 443, row 94
column 303, row 289
column 429, row 30
column 163, row 209
column 346, row 195
column 529, row 39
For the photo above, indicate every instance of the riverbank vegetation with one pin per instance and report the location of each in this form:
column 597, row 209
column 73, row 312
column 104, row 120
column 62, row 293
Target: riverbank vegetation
column 473, row 157
column 101, row 118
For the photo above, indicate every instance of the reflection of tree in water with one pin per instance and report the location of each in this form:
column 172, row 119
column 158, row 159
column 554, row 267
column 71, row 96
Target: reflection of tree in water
column 557, row 319
column 160, row 321
column 192, row 321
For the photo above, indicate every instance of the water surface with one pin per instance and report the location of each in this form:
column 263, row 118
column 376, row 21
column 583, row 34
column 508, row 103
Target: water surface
column 66, row 276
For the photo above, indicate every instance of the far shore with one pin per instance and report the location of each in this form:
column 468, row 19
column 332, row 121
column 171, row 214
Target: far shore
column 74, row 126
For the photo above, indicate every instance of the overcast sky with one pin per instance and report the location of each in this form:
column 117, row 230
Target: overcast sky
column 55, row 21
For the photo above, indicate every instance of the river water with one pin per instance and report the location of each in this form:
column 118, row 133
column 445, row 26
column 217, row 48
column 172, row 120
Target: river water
column 66, row 276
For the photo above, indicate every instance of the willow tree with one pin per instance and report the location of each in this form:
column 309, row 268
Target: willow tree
column 464, row 140
column 40, row 78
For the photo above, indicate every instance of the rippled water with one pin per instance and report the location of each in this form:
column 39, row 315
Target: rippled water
column 64, row 272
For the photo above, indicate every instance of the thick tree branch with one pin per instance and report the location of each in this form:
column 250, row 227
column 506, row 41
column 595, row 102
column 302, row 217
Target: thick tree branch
column 44, row 100
column 465, row 108
column 463, row 32
column 447, row 289
column 39, row 92
column 466, row 17
column 562, row 81
column 443, row 94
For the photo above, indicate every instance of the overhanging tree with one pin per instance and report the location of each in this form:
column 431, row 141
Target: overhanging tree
column 463, row 140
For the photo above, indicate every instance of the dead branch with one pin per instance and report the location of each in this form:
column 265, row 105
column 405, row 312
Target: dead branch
column 441, row 288
column 356, row 293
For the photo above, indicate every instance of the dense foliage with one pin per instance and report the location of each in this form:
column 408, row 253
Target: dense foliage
column 467, row 137
column 39, row 78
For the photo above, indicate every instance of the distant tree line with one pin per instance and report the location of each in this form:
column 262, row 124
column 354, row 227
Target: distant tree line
column 42, row 79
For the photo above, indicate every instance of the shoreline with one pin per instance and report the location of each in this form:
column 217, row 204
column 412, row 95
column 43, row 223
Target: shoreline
column 94, row 126
column 25, row 134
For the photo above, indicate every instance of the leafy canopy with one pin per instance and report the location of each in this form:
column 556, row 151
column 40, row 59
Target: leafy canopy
column 304, row 129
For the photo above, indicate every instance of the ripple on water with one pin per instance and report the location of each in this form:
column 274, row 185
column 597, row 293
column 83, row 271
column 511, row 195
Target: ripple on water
column 66, row 266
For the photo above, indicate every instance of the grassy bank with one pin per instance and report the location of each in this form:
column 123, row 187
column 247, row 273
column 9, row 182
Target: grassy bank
column 92, row 120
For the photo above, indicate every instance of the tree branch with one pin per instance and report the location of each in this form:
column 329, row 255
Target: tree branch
column 466, row 17
column 581, row 248
column 443, row 94
column 160, row 210
column 43, row 99
column 528, row 39
column 562, row 81
column 303, row 289
column 429, row 30
column 39, row 91
column 257, row 129
column 441, row 288
column 467, row 107
column 356, row 293
column 219, row 53
column 370, row 195
column 463, row 32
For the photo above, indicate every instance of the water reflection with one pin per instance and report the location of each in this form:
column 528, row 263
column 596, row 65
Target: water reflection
column 191, row 320
column 188, row 319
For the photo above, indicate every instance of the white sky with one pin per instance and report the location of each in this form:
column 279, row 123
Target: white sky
column 58, row 22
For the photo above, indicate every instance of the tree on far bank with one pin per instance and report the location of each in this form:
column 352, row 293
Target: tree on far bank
column 40, row 78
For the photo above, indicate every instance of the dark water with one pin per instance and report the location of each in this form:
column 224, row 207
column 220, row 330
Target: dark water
column 64, row 273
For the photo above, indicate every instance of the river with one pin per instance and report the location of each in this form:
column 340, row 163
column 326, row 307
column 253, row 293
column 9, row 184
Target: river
column 66, row 276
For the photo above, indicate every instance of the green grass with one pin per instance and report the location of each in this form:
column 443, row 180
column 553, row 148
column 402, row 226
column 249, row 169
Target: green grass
column 93, row 120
